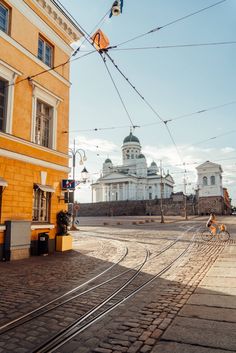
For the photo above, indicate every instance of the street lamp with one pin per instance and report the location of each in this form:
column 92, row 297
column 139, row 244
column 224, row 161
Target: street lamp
column 162, row 213
column 84, row 174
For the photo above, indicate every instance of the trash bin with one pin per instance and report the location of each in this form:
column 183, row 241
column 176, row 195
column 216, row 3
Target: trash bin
column 43, row 243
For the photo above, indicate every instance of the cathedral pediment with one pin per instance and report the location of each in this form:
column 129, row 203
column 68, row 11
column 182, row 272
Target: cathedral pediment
column 209, row 165
column 113, row 176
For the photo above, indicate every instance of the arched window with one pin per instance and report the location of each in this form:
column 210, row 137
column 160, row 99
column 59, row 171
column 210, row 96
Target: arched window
column 213, row 180
column 204, row 180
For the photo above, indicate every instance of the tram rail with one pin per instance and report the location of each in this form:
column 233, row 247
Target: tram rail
column 113, row 300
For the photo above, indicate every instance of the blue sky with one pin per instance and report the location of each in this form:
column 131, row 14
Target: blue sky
column 175, row 81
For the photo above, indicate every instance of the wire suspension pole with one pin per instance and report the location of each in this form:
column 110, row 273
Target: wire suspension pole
column 162, row 214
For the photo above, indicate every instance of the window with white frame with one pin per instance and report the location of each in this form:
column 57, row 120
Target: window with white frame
column 43, row 124
column 3, row 104
column 44, row 117
column 4, row 18
column 41, row 205
column 45, row 52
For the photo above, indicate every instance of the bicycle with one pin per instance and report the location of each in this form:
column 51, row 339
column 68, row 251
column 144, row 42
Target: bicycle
column 221, row 232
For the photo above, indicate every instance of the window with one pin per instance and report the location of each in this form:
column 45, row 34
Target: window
column 204, row 180
column 213, row 180
column 45, row 52
column 43, row 126
column 3, row 104
column 4, row 18
column 41, row 205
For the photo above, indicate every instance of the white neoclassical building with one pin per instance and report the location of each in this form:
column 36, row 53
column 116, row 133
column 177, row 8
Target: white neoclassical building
column 133, row 180
column 210, row 179
column 211, row 194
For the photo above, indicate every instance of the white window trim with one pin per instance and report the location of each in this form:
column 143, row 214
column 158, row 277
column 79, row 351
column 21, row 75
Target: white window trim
column 29, row 55
column 10, row 74
column 51, row 99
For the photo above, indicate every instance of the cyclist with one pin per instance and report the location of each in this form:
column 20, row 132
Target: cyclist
column 212, row 223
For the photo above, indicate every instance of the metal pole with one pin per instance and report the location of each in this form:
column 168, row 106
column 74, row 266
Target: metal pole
column 185, row 200
column 162, row 216
column 73, row 176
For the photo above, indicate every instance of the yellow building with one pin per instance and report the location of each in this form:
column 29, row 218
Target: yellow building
column 35, row 35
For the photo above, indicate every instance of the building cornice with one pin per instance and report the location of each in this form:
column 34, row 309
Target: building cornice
column 56, row 14
column 33, row 145
column 31, row 160
column 31, row 56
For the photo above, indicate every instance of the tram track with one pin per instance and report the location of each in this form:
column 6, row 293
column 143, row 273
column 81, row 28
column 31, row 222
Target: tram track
column 46, row 307
column 128, row 289
column 111, row 303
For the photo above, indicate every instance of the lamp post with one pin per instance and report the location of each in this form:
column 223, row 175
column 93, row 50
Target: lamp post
column 84, row 174
column 162, row 215
column 185, row 198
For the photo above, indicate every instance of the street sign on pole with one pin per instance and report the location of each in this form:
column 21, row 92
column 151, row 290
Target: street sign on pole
column 68, row 184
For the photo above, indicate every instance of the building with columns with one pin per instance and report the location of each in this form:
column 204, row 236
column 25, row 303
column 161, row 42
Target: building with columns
column 133, row 180
column 212, row 197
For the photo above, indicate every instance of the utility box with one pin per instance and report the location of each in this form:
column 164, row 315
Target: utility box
column 17, row 240
column 43, row 244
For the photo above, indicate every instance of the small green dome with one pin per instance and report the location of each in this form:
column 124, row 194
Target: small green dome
column 108, row 160
column 153, row 164
column 131, row 138
column 141, row 156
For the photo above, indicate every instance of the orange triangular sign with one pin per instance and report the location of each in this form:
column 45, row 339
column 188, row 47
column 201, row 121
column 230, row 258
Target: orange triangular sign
column 100, row 40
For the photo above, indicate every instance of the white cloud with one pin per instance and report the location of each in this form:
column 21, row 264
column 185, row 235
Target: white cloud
column 96, row 145
column 227, row 150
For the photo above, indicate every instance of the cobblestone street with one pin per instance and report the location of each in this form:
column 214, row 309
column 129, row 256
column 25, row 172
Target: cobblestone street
column 144, row 321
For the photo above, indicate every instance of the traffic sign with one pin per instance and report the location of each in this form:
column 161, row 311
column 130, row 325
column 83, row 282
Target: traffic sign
column 68, row 184
column 76, row 207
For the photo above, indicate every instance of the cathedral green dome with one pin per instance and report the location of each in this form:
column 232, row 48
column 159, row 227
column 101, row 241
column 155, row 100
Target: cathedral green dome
column 108, row 160
column 153, row 164
column 131, row 138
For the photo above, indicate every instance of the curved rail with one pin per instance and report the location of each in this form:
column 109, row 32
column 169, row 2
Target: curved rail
column 67, row 334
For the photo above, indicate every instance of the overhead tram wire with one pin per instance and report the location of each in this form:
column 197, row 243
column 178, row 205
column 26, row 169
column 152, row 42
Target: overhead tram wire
column 29, row 78
column 117, row 90
column 153, row 30
column 170, row 23
column 70, row 17
column 214, row 137
column 187, row 45
column 200, row 111
column 165, row 122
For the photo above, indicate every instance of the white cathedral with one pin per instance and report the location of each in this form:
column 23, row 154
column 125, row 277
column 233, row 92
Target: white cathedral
column 133, row 180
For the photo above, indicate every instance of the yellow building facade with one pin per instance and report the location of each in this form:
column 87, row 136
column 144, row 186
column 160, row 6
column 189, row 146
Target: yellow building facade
column 35, row 36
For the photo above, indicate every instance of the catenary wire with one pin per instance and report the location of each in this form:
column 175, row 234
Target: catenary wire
column 170, row 23
column 69, row 16
column 147, row 103
column 117, row 90
column 187, row 45
column 158, row 122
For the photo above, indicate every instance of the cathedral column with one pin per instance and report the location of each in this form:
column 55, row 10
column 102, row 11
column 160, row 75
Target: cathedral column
column 118, row 192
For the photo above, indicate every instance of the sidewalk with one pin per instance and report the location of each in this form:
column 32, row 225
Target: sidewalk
column 207, row 322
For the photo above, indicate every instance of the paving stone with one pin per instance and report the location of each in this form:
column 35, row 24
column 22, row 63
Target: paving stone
column 145, row 348
column 208, row 333
column 102, row 350
column 135, row 347
column 173, row 347
column 150, row 341
column 157, row 333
